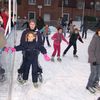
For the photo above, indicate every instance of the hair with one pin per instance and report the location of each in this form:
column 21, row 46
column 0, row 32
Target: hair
column 26, row 37
column 97, row 31
column 76, row 29
column 59, row 27
column 31, row 20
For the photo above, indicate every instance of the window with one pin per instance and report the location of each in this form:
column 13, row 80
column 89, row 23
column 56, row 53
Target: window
column 31, row 2
column 46, row 17
column 97, row 5
column 80, row 4
column 47, row 2
column 65, row 2
column 31, row 15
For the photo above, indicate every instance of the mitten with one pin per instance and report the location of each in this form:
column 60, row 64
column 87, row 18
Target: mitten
column 94, row 63
column 13, row 49
column 46, row 57
column 6, row 49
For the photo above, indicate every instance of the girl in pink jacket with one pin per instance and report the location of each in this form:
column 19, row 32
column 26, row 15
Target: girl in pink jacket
column 57, row 37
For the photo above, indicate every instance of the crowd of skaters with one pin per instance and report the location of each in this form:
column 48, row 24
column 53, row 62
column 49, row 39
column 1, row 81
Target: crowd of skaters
column 32, row 43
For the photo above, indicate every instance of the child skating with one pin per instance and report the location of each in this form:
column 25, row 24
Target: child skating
column 31, row 48
column 57, row 38
column 73, row 42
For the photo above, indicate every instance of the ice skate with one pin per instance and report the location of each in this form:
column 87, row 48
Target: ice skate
column 2, row 75
column 76, row 56
column 59, row 59
column 20, row 78
column 97, row 87
column 40, row 78
column 35, row 84
column 91, row 90
column 52, row 59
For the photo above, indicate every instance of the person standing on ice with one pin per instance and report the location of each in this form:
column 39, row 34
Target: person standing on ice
column 58, row 37
column 73, row 42
column 2, row 45
column 46, row 32
column 94, row 60
column 32, row 27
column 31, row 48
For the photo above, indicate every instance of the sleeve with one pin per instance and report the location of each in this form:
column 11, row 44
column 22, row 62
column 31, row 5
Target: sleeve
column 91, row 50
column 42, row 49
column 63, row 38
column 54, row 37
column 19, row 48
column 80, row 39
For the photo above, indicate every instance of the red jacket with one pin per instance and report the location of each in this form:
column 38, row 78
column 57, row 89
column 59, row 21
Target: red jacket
column 5, row 19
column 58, row 37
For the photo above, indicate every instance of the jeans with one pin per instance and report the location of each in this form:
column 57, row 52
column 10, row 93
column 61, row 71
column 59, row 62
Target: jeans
column 94, row 75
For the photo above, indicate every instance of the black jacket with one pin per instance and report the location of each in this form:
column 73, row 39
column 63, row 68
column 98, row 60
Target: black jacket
column 74, row 37
column 31, row 49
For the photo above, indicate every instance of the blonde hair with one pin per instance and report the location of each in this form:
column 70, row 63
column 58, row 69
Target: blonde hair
column 26, row 37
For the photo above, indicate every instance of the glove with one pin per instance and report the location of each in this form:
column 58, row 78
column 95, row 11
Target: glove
column 6, row 49
column 46, row 57
column 94, row 63
column 13, row 49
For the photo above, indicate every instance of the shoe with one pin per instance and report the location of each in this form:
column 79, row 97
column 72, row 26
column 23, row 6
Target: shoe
column 20, row 77
column 59, row 59
column 40, row 78
column 35, row 84
column 91, row 90
column 23, row 81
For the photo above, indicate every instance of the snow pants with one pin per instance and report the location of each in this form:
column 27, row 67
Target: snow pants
column 21, row 69
column 27, row 64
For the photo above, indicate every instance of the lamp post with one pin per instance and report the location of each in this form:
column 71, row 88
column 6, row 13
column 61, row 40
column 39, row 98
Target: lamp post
column 39, row 7
column 93, row 7
column 83, row 11
column 62, row 9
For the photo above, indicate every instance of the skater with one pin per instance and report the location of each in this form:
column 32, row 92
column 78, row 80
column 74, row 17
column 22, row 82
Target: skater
column 72, row 42
column 84, row 28
column 4, row 15
column 57, row 37
column 46, row 33
column 68, row 26
column 32, row 27
column 40, row 23
column 94, row 60
column 31, row 48
column 2, row 45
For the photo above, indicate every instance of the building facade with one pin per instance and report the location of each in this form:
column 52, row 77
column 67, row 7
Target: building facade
column 54, row 9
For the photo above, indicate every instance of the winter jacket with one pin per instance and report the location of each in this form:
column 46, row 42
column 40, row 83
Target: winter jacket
column 2, row 38
column 58, row 37
column 94, row 50
column 45, row 31
column 74, row 37
column 5, row 19
column 31, row 49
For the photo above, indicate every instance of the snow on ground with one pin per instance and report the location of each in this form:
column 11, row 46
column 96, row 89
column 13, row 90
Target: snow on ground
column 64, row 80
